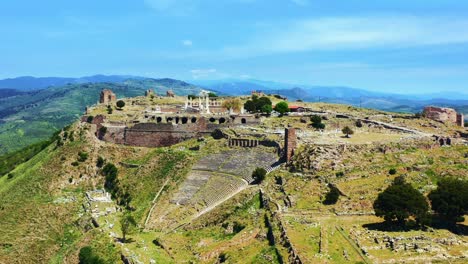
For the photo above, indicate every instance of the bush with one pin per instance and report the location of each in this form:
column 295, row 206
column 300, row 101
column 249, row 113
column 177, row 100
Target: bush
column 392, row 171
column 317, row 122
column 257, row 105
column 111, row 181
column 339, row 174
column 82, row 156
column 358, row 123
column 266, row 109
column 10, row 176
column 450, row 199
column 332, row 196
column 87, row 256
column 127, row 225
column 102, row 130
column 259, row 175
column 347, row 131
column 75, row 163
column 109, row 110
column 401, row 201
column 211, row 94
column 282, row 107
column 90, row 119
column 120, row 104
column 100, row 162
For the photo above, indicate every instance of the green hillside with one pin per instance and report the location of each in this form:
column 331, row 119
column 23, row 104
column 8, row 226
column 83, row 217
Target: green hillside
column 28, row 118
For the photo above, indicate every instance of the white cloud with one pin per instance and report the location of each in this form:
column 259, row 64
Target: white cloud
column 187, row 43
column 202, row 73
column 346, row 33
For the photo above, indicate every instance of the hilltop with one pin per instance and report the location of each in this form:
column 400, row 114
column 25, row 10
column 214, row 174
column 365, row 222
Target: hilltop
column 29, row 117
column 194, row 199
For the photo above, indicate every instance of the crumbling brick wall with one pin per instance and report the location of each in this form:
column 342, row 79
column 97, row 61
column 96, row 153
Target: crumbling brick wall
column 107, row 97
column 446, row 115
column 289, row 143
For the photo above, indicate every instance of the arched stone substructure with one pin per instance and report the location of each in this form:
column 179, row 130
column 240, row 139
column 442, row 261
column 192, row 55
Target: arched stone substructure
column 193, row 120
column 243, row 121
column 222, row 120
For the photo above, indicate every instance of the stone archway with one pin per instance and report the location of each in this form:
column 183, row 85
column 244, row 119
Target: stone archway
column 193, row 120
column 244, row 121
column 212, row 119
column 184, row 120
column 159, row 119
column 222, row 120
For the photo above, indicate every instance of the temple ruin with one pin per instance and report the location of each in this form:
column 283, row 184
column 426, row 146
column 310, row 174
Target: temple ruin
column 107, row 97
column 445, row 115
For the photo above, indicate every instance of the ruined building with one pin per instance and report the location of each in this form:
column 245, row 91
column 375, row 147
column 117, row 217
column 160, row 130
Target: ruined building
column 149, row 92
column 446, row 115
column 170, row 93
column 107, row 97
column 289, row 143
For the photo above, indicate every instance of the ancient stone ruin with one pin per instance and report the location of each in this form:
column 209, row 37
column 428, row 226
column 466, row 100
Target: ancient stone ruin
column 289, row 142
column 107, row 97
column 170, row 93
column 446, row 115
column 149, row 92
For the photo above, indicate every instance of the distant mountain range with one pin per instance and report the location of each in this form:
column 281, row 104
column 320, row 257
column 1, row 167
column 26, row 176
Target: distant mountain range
column 344, row 95
column 28, row 83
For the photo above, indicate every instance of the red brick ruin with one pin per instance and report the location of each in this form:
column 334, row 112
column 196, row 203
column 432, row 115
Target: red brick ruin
column 289, row 143
column 107, row 97
column 446, row 115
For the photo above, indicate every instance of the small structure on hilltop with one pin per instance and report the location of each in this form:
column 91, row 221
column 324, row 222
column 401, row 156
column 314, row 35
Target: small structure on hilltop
column 257, row 93
column 170, row 93
column 446, row 115
column 149, row 92
column 107, row 97
column 203, row 103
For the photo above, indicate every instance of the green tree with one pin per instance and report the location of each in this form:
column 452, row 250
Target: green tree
column 259, row 175
column 347, row 131
column 211, row 94
column 399, row 202
column 120, row 104
column 87, row 256
column 266, row 109
column 358, row 123
column 282, row 107
column 317, row 122
column 262, row 101
column 250, row 106
column 100, row 162
column 90, row 119
column 450, row 199
column 127, row 225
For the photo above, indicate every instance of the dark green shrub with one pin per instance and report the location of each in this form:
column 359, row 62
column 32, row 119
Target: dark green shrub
column 392, row 171
column 10, row 176
column 282, row 107
column 82, row 156
column 75, row 163
column 87, row 256
column 358, row 123
column 259, row 175
column 332, row 196
column 339, row 174
column 399, row 202
column 100, row 162
column 120, row 104
column 90, row 119
column 450, row 199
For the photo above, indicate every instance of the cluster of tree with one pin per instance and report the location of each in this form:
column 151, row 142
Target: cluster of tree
column 282, row 107
column 127, row 225
column 317, row 122
column 259, row 105
column 401, row 202
column 113, row 186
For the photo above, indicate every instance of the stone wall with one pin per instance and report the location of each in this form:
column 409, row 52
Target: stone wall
column 241, row 142
column 446, row 115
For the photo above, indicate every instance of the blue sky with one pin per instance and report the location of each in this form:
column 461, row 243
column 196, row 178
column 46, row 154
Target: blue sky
column 397, row 46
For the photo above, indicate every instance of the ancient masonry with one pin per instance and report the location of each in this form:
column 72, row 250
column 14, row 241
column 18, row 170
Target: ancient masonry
column 289, row 143
column 240, row 142
column 107, row 97
column 446, row 115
